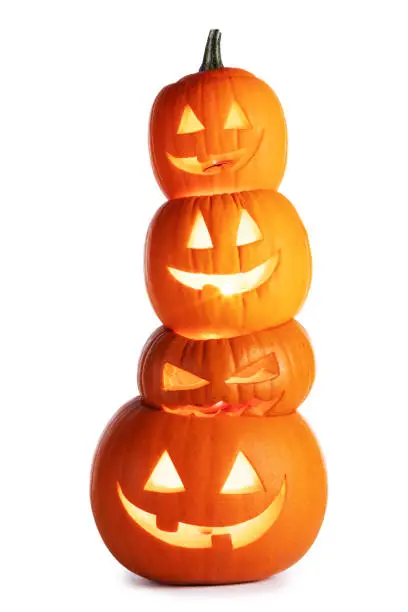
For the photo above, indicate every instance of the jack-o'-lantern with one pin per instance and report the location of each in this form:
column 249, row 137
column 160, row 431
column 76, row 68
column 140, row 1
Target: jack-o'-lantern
column 225, row 265
column 219, row 130
column 186, row 500
column 265, row 373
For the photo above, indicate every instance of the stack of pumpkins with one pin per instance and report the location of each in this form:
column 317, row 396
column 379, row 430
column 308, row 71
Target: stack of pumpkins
column 211, row 476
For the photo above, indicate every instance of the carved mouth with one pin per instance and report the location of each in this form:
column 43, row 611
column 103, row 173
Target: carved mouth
column 254, row 407
column 209, row 410
column 198, row 536
column 216, row 163
column 228, row 284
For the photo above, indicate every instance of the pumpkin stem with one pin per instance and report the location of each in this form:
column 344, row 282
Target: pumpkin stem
column 212, row 54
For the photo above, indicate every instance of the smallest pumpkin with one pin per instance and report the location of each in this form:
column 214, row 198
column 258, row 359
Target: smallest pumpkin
column 266, row 373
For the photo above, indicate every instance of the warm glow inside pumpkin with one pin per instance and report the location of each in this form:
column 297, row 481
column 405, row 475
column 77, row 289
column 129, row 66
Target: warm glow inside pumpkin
column 242, row 479
column 202, row 501
column 217, row 131
column 227, row 265
column 265, row 373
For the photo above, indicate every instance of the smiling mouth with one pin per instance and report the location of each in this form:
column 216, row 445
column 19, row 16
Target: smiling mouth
column 254, row 407
column 213, row 165
column 228, row 284
column 209, row 410
column 198, row 536
column 233, row 160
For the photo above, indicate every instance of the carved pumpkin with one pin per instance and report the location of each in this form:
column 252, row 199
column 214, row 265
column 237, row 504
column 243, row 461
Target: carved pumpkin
column 207, row 501
column 266, row 373
column 227, row 265
column 217, row 131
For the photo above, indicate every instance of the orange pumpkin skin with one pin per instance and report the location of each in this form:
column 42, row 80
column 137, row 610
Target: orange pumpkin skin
column 266, row 373
column 219, row 159
column 282, row 250
column 283, row 452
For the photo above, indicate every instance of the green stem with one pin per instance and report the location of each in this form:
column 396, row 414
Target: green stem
column 212, row 54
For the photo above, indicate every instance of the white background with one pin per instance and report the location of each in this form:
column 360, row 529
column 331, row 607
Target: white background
column 77, row 80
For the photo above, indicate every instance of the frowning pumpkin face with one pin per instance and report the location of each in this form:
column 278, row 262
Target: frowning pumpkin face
column 265, row 373
column 227, row 265
column 206, row 501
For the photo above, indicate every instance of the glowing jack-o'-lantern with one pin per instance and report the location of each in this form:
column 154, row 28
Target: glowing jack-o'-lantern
column 265, row 373
column 217, row 131
column 228, row 264
column 206, row 501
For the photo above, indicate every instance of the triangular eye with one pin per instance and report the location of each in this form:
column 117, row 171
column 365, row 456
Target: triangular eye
column 248, row 231
column 189, row 122
column 177, row 379
column 242, row 477
column 236, row 119
column 263, row 370
column 200, row 237
column 164, row 478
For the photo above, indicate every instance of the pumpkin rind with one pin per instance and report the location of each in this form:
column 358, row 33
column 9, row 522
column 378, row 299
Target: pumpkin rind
column 203, row 451
column 291, row 361
column 210, row 95
column 207, row 313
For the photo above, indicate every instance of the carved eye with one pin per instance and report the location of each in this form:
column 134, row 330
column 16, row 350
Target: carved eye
column 242, row 477
column 262, row 371
column 200, row 236
column 164, row 478
column 177, row 379
column 189, row 122
column 248, row 231
column 236, row 119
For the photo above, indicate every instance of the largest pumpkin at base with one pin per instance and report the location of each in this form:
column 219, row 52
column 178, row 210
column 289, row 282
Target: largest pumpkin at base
column 185, row 500
column 226, row 265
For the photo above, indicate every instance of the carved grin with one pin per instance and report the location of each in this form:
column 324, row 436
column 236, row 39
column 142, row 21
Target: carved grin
column 209, row 410
column 216, row 163
column 196, row 536
column 228, row 284
column 257, row 407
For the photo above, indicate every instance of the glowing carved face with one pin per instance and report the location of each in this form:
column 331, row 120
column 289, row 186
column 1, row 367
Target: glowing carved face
column 241, row 480
column 224, row 161
column 265, row 373
column 261, row 371
column 216, row 132
column 227, row 284
column 227, row 265
column 202, row 501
